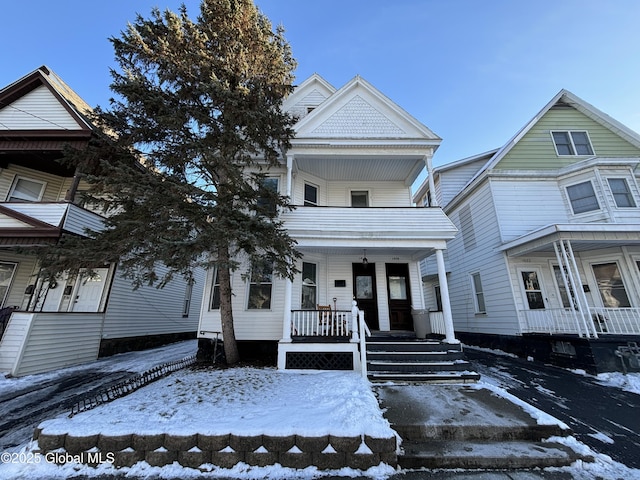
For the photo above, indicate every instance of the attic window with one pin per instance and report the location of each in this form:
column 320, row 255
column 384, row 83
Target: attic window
column 572, row 143
column 310, row 109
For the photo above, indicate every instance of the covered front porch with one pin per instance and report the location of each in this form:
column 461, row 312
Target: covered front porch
column 349, row 273
column 578, row 279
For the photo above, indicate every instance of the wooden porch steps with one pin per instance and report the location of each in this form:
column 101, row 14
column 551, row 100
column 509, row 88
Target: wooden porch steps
column 409, row 359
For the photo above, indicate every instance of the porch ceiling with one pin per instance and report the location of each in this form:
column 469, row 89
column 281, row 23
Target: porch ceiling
column 583, row 237
column 355, row 254
column 382, row 167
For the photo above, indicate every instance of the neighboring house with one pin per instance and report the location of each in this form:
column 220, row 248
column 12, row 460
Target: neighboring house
column 349, row 173
column 46, row 326
column 547, row 262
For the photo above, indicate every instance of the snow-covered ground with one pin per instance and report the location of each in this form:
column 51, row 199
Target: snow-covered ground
column 247, row 401
column 629, row 382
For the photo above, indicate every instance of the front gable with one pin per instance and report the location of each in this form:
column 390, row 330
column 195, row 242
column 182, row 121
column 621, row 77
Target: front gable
column 40, row 104
column 535, row 150
column 359, row 111
column 308, row 96
column 532, row 148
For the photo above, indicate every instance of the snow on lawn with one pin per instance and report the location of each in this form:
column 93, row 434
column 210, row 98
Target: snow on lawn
column 243, row 401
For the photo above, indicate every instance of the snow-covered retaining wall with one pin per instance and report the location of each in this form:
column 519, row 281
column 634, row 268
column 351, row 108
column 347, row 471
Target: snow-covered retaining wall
column 293, row 451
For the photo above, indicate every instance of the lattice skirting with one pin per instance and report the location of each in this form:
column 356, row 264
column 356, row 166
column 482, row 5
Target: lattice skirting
column 320, row 361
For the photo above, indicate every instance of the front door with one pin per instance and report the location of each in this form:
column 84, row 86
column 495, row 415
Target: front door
column 364, row 291
column 89, row 291
column 399, row 296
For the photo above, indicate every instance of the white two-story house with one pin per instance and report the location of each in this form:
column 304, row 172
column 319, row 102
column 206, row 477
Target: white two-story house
column 547, row 262
column 349, row 173
column 47, row 325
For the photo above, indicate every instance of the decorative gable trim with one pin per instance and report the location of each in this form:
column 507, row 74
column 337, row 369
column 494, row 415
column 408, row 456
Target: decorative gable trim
column 358, row 118
column 359, row 110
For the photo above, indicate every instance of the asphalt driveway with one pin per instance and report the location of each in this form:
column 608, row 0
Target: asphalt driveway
column 603, row 417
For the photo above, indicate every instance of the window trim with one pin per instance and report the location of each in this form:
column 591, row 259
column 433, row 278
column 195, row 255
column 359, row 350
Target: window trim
column 308, row 203
column 598, row 262
column 359, row 190
column 477, row 295
column 572, row 144
column 628, row 193
column 264, row 205
column 595, row 196
column 251, row 283
column 314, row 285
column 10, row 283
column 14, row 184
column 524, row 291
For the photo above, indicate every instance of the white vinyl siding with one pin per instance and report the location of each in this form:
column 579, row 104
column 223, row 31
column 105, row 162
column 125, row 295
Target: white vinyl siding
column 40, row 342
column 151, row 311
column 525, row 205
column 450, row 182
column 501, row 317
column 381, row 194
column 37, row 110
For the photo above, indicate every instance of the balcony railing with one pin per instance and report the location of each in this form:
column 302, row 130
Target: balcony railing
column 602, row 321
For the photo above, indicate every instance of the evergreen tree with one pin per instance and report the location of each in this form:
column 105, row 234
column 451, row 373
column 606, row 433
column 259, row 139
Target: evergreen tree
column 199, row 107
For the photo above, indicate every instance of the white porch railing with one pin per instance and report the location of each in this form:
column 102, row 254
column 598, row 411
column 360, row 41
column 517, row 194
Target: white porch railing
column 436, row 320
column 604, row 321
column 321, row 323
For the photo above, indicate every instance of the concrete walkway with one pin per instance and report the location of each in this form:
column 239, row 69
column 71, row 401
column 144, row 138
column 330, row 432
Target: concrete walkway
column 458, row 426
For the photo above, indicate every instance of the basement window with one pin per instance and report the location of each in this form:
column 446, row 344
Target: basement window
column 563, row 348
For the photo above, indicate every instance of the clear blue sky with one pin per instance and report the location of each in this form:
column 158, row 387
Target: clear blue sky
column 474, row 71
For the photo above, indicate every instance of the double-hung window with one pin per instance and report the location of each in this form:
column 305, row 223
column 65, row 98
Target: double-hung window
column 572, row 143
column 7, row 271
column 478, row 294
column 267, row 200
column 582, row 197
column 215, row 291
column 260, row 286
column 621, row 192
column 360, row 198
column 309, row 286
column 310, row 195
column 25, row 190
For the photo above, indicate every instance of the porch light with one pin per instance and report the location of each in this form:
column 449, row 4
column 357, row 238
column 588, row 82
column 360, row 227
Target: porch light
column 365, row 262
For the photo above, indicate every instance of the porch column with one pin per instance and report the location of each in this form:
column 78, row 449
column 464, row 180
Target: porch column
column 286, row 328
column 444, row 296
column 289, row 174
column 433, row 202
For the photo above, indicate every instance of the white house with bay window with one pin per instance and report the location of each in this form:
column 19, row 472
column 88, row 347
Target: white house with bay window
column 349, row 173
column 547, row 263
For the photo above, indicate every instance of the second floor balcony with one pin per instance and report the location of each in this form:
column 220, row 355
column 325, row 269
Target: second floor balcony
column 412, row 228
